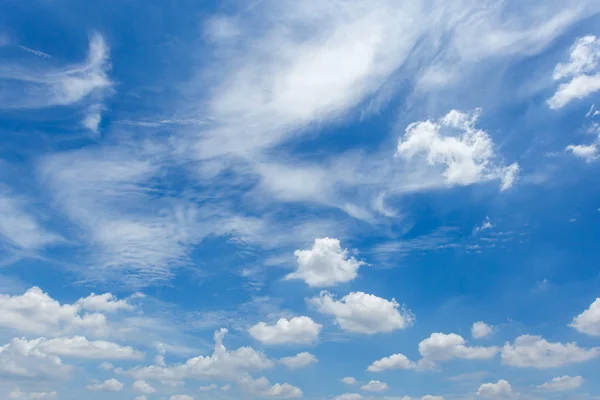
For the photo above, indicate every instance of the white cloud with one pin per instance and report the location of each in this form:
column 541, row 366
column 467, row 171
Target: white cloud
column 35, row 312
column 300, row 360
column 222, row 364
column 588, row 152
column 23, row 358
column 562, row 384
column 395, row 361
column 441, row 347
column 375, row 386
column 111, row 385
column 181, row 397
column 262, row 387
column 364, row 313
column 348, row 380
column 464, row 154
column 348, row 396
column 208, row 388
column 19, row 227
column 535, row 352
column 584, row 61
column 144, row 387
column 18, row 395
column 326, row 264
column 485, row 225
column 481, row 330
column 500, row 390
column 299, row 330
column 106, row 302
column 225, row 388
column 80, row 347
column 142, row 397
column 106, row 366
column 92, row 118
column 31, row 88
column 588, row 321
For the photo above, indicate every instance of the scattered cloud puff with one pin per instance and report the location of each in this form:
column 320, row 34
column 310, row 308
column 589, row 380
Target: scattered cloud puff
column 442, row 347
column 35, row 312
column 481, row 330
column 181, row 397
column 485, row 225
column 300, row 360
column 298, row 330
column 375, row 386
column 349, row 380
column 464, row 154
column 562, row 384
column 110, row 385
column 581, row 69
column 360, row 312
column 535, row 352
column 500, row 390
column 262, row 387
column 395, row 361
column 222, row 364
column 588, row 322
column 326, row 264
column 23, row 358
column 142, row 386
column 80, row 347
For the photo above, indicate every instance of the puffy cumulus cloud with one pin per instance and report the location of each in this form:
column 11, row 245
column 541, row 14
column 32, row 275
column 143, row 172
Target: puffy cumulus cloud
column 23, row 358
column 296, row 330
column 106, row 302
column 375, row 386
column 364, row 313
column 326, row 264
column 588, row 322
column 262, row 387
column 481, row 330
column 222, row 364
column 588, row 152
column 181, row 397
column 535, row 352
column 426, row 397
column 464, row 154
column 395, row 361
column 562, row 384
column 106, row 366
column 18, row 395
column 35, row 312
column 349, row 380
column 143, row 387
column 581, row 70
column 442, row 347
column 300, row 360
column 500, row 390
column 80, row 347
column 110, row 385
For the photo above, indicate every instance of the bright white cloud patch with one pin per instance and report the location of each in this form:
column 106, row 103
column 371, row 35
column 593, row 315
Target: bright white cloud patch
column 300, row 360
column 395, row 361
column 588, row 322
column 326, row 264
column 222, row 364
column 262, row 387
column 110, row 385
column 588, row 152
column 500, row 390
column 581, row 69
column 535, row 352
column 375, row 386
column 17, row 394
column 80, row 347
column 143, row 387
column 441, row 347
column 301, row 330
column 364, row 313
column 562, row 384
column 181, row 397
column 106, row 302
column 23, row 358
column 348, row 396
column 464, row 154
column 481, row 330
column 35, row 312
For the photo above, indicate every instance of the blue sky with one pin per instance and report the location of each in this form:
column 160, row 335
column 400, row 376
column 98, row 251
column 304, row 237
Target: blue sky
column 344, row 200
